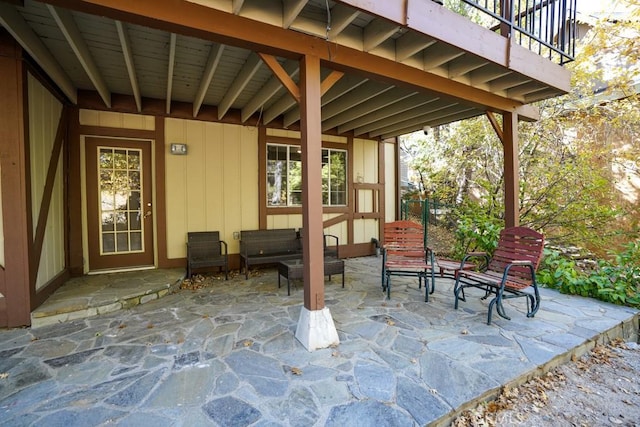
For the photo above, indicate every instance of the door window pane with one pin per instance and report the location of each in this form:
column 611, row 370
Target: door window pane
column 120, row 190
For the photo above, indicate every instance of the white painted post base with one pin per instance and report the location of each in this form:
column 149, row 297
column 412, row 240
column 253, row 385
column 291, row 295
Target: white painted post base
column 316, row 329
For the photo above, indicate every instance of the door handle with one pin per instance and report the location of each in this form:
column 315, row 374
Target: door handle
column 148, row 213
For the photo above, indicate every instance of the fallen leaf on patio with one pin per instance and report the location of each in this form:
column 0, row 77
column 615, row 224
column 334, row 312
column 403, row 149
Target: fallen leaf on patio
column 628, row 402
column 335, row 354
column 390, row 322
column 464, row 332
column 150, row 326
column 4, row 375
column 414, row 361
column 122, row 326
column 296, row 371
column 35, row 339
column 247, row 343
column 205, row 316
column 98, row 334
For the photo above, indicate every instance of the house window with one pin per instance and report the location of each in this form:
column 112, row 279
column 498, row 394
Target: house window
column 284, row 176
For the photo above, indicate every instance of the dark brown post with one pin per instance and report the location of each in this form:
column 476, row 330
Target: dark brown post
column 511, row 169
column 14, row 183
column 311, row 127
column 315, row 326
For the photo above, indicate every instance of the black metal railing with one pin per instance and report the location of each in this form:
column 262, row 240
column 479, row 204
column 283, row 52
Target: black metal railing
column 547, row 27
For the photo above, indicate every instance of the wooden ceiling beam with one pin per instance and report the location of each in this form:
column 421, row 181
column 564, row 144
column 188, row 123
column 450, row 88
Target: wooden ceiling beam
column 427, row 17
column 127, row 52
column 411, row 43
column 291, row 10
column 341, row 17
column 463, row 66
column 72, row 34
column 282, row 75
column 377, row 32
column 236, row 6
column 418, row 122
column 15, row 24
column 391, row 120
column 392, row 110
column 337, row 90
column 207, row 76
column 172, row 61
column 249, row 69
column 449, row 118
column 382, row 100
column 354, row 98
column 269, row 90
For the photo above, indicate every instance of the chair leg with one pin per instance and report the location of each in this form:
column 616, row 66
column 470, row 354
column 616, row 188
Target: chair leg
column 456, row 291
column 388, row 286
column 426, row 290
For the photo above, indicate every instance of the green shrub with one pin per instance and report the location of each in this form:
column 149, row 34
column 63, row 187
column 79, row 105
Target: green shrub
column 476, row 230
column 616, row 280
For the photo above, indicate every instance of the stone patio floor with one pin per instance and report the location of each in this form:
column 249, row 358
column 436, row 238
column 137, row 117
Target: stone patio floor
column 226, row 355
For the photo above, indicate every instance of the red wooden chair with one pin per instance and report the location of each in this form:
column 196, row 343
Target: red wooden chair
column 509, row 273
column 404, row 254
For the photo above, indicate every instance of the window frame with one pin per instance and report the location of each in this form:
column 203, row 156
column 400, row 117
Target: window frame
column 291, row 147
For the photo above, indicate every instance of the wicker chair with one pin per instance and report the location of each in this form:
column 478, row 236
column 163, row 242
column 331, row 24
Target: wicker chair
column 205, row 250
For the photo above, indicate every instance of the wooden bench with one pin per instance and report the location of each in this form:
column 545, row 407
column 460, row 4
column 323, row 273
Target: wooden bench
column 205, row 250
column 268, row 247
column 404, row 254
column 510, row 271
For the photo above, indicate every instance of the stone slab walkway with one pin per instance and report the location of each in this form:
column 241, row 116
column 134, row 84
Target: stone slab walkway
column 226, row 355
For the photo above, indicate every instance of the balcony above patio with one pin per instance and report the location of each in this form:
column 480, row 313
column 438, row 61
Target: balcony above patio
column 399, row 65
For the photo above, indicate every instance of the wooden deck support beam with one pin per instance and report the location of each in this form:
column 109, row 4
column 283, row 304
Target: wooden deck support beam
column 511, row 169
column 315, row 326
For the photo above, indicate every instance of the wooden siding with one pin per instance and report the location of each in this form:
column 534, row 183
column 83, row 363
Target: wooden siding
column 213, row 187
column 390, row 182
column 44, row 115
column 116, row 120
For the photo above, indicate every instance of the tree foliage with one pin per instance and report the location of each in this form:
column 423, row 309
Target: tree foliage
column 579, row 170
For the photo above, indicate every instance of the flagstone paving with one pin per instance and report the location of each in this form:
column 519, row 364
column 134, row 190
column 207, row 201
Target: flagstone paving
column 227, row 355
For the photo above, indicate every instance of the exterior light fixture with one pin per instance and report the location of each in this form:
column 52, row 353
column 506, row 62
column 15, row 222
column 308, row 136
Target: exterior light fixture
column 179, row 149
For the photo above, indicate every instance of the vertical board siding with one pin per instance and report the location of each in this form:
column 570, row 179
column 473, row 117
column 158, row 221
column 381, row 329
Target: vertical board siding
column 215, row 186
column 365, row 165
column 390, row 182
column 44, row 116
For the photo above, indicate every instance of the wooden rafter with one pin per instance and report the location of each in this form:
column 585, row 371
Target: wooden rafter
column 282, row 75
column 268, row 91
column 13, row 22
column 249, row 69
column 127, row 52
column 341, row 17
column 172, row 61
column 72, row 34
column 291, row 10
column 207, row 76
column 380, row 101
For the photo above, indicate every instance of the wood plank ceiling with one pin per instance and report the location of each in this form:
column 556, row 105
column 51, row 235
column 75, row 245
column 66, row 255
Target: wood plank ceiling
column 86, row 52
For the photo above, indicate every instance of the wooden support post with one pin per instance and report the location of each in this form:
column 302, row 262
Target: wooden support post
column 315, row 325
column 511, row 169
column 15, row 280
